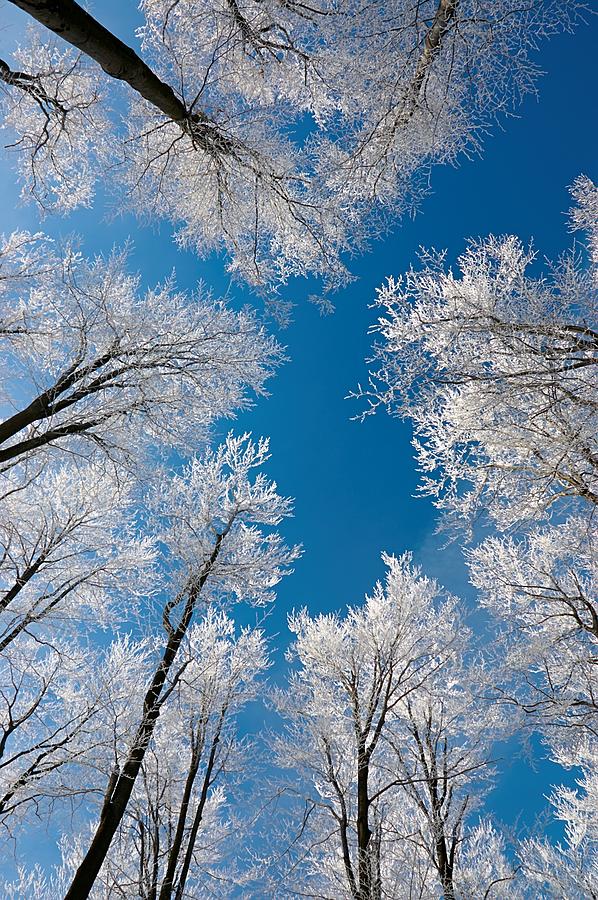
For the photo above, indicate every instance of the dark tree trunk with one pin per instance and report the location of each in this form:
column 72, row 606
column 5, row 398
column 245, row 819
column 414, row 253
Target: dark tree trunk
column 364, row 832
column 445, row 868
column 48, row 437
column 37, row 409
column 177, row 843
column 52, row 401
column 73, row 24
column 121, row 786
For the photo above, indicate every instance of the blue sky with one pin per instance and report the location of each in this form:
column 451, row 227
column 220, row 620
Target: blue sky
column 354, row 482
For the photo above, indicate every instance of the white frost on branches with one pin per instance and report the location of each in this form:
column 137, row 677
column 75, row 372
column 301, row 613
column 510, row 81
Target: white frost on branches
column 569, row 868
column 71, row 555
column 543, row 589
column 498, row 372
column 221, row 493
column 91, row 362
column 274, row 153
column 54, row 114
column 386, row 727
column 584, row 216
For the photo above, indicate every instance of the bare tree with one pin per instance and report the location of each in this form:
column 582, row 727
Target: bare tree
column 62, row 707
column 541, row 589
column 72, row 556
column 497, row 370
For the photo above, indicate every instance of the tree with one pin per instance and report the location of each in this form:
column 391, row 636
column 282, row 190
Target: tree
column 102, row 381
column 91, row 364
column 541, row 589
column 180, row 818
column 41, row 727
column 215, row 551
column 242, row 127
column 99, row 381
column 384, row 725
column 497, row 371
column 176, row 826
column 584, row 215
column 64, row 710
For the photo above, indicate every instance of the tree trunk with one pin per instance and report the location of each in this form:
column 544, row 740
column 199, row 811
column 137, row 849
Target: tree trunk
column 73, row 24
column 177, row 843
column 364, row 832
column 121, row 787
column 445, row 869
column 48, row 437
column 207, row 781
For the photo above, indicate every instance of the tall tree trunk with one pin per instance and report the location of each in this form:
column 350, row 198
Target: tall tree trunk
column 121, row 786
column 177, row 842
column 445, row 869
column 364, row 832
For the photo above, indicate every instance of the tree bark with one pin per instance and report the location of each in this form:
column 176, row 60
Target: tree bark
column 343, row 822
column 52, row 401
column 364, row 832
column 445, row 12
column 445, row 869
column 177, row 843
column 53, row 434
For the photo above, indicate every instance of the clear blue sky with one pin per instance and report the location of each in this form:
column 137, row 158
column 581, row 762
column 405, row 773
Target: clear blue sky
column 354, row 482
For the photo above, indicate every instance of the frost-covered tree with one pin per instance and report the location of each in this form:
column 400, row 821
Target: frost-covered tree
column 64, row 708
column 43, row 724
column 384, row 725
column 178, row 826
column 240, row 125
column 214, row 527
column 90, row 362
column 145, row 724
column 569, row 868
column 542, row 590
column 179, row 822
column 53, row 110
column 497, row 371
column 97, row 380
column 584, row 215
